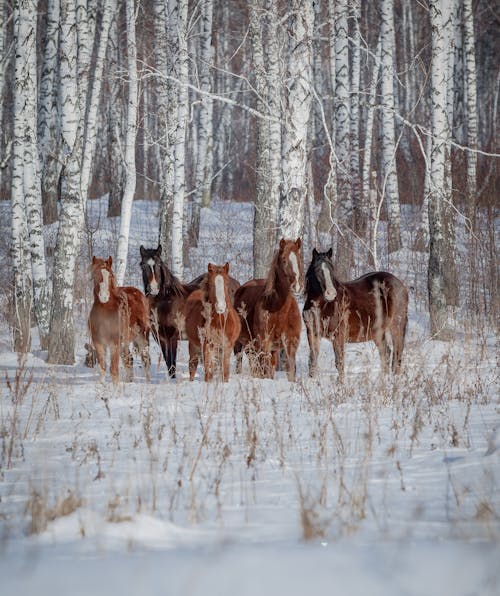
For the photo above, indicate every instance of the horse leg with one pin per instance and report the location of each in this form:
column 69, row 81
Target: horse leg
column 208, row 360
column 291, row 352
column 114, row 362
column 398, row 342
column 128, row 362
column 141, row 344
column 313, row 339
column 385, row 352
column 194, row 354
column 238, row 352
column 172, row 354
column 226, row 361
column 338, row 349
column 100, row 351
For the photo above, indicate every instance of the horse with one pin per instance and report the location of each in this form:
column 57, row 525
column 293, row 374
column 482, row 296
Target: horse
column 212, row 323
column 270, row 316
column 119, row 315
column 373, row 307
column 167, row 296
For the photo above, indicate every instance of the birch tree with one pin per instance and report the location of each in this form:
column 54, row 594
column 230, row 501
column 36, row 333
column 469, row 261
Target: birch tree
column 390, row 179
column 439, row 189
column 130, row 140
column 263, row 28
column 180, row 18
column 62, row 337
column 471, row 94
column 204, row 164
column 354, row 115
column 48, row 131
column 297, row 105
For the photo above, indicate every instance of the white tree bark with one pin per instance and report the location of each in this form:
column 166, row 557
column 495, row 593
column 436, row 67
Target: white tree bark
column 439, row 191
column 130, row 140
column 48, row 125
column 109, row 9
column 471, row 81
column 297, row 111
column 62, row 336
column 180, row 17
column 359, row 217
column 390, row 179
column 204, row 166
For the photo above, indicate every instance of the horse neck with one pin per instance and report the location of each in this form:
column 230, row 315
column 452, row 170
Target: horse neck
column 169, row 283
column 277, row 289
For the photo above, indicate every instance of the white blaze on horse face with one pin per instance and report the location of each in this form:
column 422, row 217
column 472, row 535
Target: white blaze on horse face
column 104, row 286
column 330, row 291
column 295, row 266
column 153, row 284
column 220, row 296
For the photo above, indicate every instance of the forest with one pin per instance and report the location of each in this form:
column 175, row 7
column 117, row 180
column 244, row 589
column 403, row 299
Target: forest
column 327, row 116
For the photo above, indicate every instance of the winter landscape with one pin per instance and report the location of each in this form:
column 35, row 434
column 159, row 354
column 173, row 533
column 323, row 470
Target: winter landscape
column 218, row 130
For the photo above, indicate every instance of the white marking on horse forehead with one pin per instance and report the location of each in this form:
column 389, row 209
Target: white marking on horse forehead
column 151, row 263
column 104, row 286
column 330, row 291
column 295, row 264
column 220, row 296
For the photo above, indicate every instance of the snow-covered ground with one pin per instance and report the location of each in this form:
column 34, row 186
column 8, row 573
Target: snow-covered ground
column 380, row 485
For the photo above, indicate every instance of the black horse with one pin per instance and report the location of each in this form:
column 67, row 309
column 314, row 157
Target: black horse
column 372, row 307
column 167, row 296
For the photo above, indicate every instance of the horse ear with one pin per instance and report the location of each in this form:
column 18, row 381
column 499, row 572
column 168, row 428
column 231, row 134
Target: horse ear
column 298, row 243
column 282, row 243
column 210, row 267
column 315, row 253
column 110, row 261
column 142, row 250
column 158, row 250
column 93, row 259
column 330, row 252
column 226, row 267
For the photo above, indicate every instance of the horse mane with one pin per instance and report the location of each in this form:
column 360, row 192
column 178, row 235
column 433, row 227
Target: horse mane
column 312, row 285
column 272, row 299
column 171, row 284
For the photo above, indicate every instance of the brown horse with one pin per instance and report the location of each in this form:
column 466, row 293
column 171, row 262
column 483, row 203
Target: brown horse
column 167, row 296
column 212, row 323
column 119, row 315
column 270, row 316
column 372, row 307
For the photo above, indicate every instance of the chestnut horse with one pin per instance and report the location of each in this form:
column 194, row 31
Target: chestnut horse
column 167, row 296
column 212, row 323
column 270, row 316
column 372, row 307
column 119, row 315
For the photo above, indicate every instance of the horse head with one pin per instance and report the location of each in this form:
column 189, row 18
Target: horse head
column 151, row 265
column 322, row 268
column 104, row 279
column 290, row 262
column 217, row 284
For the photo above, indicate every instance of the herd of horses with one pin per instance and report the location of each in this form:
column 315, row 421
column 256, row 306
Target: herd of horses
column 260, row 318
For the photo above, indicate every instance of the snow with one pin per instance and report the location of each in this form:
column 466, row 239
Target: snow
column 379, row 485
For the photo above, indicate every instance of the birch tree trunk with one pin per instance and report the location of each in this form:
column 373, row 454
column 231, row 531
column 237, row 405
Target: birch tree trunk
column 204, row 165
column 89, row 146
column 72, row 87
column 359, row 216
column 130, row 140
column 342, row 110
column 439, row 190
column 180, row 17
column 390, row 179
column 266, row 68
column 471, row 93
column 297, row 112
column 48, row 129
column 115, row 122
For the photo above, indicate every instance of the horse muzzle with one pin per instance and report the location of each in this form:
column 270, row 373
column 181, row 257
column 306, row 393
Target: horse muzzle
column 329, row 295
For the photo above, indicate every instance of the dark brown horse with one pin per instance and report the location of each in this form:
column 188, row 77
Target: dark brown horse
column 212, row 323
column 167, row 296
column 372, row 307
column 119, row 315
column 270, row 316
